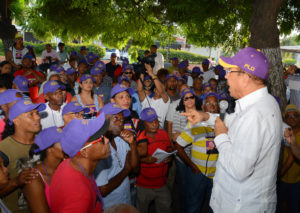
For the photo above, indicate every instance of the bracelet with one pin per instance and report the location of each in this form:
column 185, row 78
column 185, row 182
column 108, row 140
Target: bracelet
column 154, row 78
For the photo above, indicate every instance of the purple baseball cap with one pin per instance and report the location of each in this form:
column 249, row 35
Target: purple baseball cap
column 205, row 61
column 224, row 96
column 129, row 127
column 83, row 61
column 51, row 86
column 83, row 48
column 127, row 67
column 174, row 59
column 182, row 65
column 207, row 84
column 47, row 137
column 186, row 91
column 100, row 65
column 181, row 79
column 123, row 78
column 70, row 71
column 53, row 67
column 146, row 77
column 113, row 108
column 171, row 76
column 96, row 70
column 148, row 114
column 222, row 72
column 85, row 77
column 23, row 106
column 90, row 57
column 121, row 88
column 59, row 69
column 113, row 55
column 73, row 53
column 27, row 56
column 210, row 94
column 197, row 70
column 73, row 140
column 9, row 96
column 74, row 107
column 250, row 60
column 22, row 83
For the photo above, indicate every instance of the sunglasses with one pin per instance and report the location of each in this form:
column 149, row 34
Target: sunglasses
column 128, row 73
column 291, row 116
column 101, row 139
column 187, row 98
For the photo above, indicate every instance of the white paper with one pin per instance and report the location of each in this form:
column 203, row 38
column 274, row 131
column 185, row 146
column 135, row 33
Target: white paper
column 161, row 155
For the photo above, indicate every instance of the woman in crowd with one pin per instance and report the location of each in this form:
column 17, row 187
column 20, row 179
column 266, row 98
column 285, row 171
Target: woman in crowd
column 188, row 102
column 86, row 96
column 47, row 145
column 16, row 53
column 128, row 71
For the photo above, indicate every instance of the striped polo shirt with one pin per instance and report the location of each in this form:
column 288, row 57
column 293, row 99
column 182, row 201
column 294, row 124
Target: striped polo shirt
column 200, row 135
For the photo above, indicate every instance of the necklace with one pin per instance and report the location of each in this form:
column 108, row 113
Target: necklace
column 93, row 182
column 46, row 172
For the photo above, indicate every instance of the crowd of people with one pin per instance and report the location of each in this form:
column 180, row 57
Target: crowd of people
column 79, row 135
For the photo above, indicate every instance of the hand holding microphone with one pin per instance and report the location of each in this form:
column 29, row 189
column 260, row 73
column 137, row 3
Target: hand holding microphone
column 220, row 127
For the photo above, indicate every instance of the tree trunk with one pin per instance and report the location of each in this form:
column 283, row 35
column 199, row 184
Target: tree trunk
column 265, row 36
column 7, row 30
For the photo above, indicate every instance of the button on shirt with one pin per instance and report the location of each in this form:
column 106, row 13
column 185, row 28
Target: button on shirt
column 109, row 168
column 245, row 179
column 50, row 117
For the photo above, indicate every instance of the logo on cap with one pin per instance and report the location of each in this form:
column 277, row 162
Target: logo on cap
column 249, row 68
column 116, row 105
column 27, row 102
column 24, row 83
column 59, row 130
column 85, row 122
column 150, row 112
column 53, row 83
column 76, row 104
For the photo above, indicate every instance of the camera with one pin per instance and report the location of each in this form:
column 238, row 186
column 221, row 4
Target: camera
column 49, row 58
column 139, row 68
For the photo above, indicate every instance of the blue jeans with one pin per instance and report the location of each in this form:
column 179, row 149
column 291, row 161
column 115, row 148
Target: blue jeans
column 199, row 192
column 182, row 182
column 290, row 194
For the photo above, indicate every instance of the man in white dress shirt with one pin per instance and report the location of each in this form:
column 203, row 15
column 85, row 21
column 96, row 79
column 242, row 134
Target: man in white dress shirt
column 159, row 59
column 248, row 140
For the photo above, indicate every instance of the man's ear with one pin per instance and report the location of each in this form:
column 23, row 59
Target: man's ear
column 84, row 153
column 112, row 100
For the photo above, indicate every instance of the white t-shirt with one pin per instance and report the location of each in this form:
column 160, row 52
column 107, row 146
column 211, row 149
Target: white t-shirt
column 53, row 54
column 208, row 75
column 159, row 62
column 18, row 55
column 51, row 117
column 160, row 107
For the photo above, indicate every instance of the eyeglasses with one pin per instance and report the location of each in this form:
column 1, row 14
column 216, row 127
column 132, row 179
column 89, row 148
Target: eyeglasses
column 187, row 98
column 229, row 71
column 128, row 73
column 292, row 116
column 101, row 139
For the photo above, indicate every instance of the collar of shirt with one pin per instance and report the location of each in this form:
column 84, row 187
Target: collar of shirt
column 249, row 99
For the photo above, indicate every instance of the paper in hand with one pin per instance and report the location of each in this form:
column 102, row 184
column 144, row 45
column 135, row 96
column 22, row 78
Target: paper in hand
column 161, row 155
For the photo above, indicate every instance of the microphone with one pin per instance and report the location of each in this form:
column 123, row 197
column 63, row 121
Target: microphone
column 223, row 107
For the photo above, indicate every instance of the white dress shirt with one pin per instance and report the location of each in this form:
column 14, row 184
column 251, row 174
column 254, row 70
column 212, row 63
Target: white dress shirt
column 50, row 117
column 159, row 62
column 245, row 179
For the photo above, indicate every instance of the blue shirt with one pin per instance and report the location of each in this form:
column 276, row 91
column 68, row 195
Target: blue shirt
column 109, row 168
column 136, row 104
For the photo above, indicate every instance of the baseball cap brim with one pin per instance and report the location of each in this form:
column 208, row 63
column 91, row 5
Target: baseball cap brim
column 101, row 131
column 14, row 112
column 227, row 62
